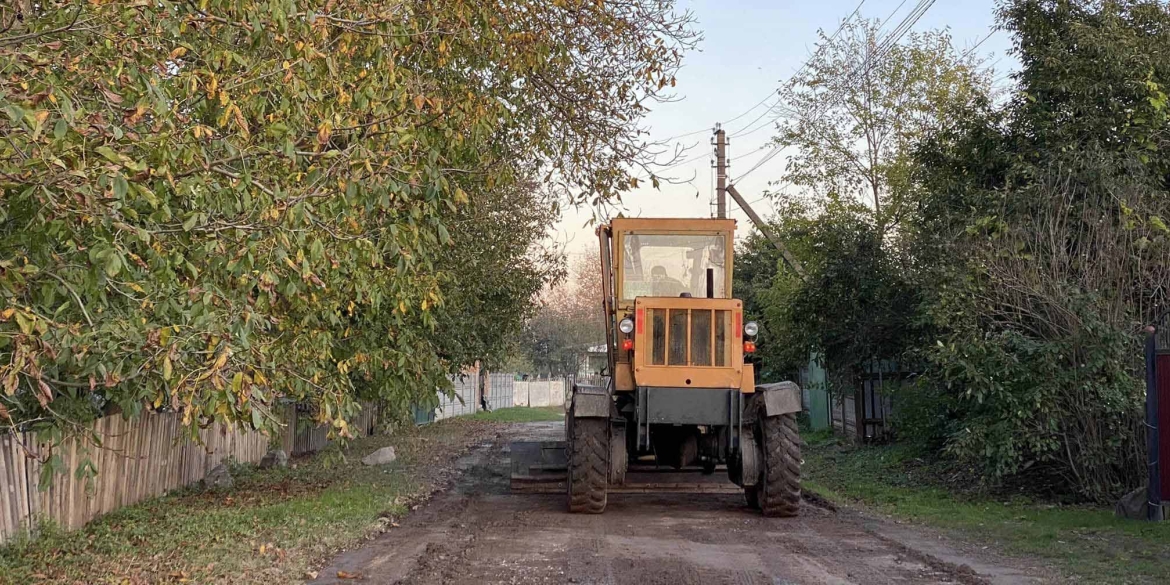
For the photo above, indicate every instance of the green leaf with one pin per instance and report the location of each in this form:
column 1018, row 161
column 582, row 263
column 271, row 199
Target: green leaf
column 189, row 223
column 108, row 153
column 121, row 187
column 59, row 129
column 113, row 264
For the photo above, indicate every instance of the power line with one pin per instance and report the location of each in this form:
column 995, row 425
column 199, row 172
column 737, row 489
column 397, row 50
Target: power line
column 762, row 162
column 677, row 136
column 884, row 48
column 972, row 49
column 803, row 66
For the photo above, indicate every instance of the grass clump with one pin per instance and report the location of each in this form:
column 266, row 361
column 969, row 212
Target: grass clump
column 522, row 414
column 273, row 526
column 1084, row 542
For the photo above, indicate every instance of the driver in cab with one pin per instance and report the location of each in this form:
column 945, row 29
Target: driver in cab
column 662, row 285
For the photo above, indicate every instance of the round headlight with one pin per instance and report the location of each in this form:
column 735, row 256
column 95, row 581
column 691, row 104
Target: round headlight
column 751, row 328
column 626, row 326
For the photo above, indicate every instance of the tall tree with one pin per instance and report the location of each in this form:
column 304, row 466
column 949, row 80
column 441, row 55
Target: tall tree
column 1043, row 233
column 854, row 112
column 213, row 205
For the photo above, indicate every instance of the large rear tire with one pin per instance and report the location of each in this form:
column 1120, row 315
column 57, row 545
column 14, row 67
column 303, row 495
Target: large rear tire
column 778, row 493
column 588, row 464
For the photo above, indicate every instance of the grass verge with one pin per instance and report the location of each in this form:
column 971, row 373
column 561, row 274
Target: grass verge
column 1085, row 543
column 522, row 414
column 272, row 527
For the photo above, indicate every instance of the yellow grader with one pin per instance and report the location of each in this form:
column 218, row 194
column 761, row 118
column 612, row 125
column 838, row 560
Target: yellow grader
column 679, row 395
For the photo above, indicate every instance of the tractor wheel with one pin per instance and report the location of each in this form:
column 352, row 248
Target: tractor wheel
column 778, row 492
column 588, row 464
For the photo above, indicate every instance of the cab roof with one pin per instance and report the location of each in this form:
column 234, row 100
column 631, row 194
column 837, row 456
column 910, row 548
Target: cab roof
column 672, row 224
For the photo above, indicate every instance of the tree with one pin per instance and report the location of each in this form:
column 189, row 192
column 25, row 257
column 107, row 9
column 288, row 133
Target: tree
column 214, row 205
column 1043, row 250
column 854, row 304
column 856, row 109
column 569, row 322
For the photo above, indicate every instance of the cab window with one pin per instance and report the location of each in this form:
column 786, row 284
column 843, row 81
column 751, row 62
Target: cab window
column 673, row 265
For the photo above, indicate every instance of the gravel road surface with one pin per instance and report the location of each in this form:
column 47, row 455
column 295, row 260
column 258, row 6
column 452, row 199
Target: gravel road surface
column 476, row 532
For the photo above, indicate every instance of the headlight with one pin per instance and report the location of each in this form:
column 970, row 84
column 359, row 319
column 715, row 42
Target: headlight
column 751, row 328
column 626, row 326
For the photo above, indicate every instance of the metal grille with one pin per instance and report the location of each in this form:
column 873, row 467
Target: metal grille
column 689, row 337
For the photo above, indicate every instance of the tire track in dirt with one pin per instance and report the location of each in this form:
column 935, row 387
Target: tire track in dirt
column 476, row 532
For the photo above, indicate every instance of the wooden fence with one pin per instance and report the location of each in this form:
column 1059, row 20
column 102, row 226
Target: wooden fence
column 138, row 459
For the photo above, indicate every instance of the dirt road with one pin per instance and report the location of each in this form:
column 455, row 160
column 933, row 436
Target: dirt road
column 477, row 532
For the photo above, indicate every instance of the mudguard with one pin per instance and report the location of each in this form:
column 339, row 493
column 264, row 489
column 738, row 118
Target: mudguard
column 780, row 398
column 590, row 402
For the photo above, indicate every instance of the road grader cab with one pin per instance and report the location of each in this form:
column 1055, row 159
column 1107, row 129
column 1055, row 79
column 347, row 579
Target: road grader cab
column 679, row 396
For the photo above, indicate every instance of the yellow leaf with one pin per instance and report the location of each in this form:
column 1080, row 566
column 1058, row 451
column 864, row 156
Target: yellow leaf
column 323, row 132
column 178, row 52
column 220, row 360
column 419, row 101
column 240, row 121
column 167, row 369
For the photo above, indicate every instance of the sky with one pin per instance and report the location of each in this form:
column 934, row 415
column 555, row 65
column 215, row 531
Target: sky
column 748, row 49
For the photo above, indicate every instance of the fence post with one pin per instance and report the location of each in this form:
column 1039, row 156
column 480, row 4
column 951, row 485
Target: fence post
column 1154, row 489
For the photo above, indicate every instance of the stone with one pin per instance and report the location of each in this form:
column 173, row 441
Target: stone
column 1132, row 505
column 380, row 457
column 219, row 477
column 274, row 458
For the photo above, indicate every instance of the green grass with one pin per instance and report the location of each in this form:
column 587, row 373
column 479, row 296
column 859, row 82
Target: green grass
column 1085, row 543
column 272, row 527
column 522, row 414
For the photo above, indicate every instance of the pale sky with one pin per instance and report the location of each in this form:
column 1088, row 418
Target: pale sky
column 749, row 48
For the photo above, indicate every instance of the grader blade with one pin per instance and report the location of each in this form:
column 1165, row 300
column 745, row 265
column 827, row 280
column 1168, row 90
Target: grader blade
column 540, row 467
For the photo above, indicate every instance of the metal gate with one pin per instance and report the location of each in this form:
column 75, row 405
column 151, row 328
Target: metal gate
column 1158, row 416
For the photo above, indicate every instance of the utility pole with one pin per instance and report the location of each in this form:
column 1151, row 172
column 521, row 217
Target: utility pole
column 721, row 171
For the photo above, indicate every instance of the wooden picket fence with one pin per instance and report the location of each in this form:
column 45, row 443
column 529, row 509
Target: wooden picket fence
column 138, row 459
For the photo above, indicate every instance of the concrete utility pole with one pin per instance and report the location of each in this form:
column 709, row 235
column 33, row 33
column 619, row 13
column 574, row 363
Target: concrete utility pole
column 721, row 171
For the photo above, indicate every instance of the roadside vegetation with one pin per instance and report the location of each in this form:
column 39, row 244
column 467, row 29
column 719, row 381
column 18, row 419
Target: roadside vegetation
column 1003, row 238
column 214, row 207
column 898, row 481
column 273, row 526
column 522, row 414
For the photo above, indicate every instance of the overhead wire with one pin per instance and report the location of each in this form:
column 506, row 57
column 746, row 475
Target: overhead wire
column 884, row 48
column 803, row 66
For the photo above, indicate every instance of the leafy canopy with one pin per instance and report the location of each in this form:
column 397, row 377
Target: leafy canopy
column 213, row 205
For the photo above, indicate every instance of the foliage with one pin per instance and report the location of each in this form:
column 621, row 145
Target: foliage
column 856, row 109
column 1020, row 251
column 214, row 205
column 1085, row 543
column 1051, row 219
column 852, row 306
column 273, row 526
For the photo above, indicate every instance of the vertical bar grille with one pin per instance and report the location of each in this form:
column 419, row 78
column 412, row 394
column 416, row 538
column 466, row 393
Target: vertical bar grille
column 685, row 337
